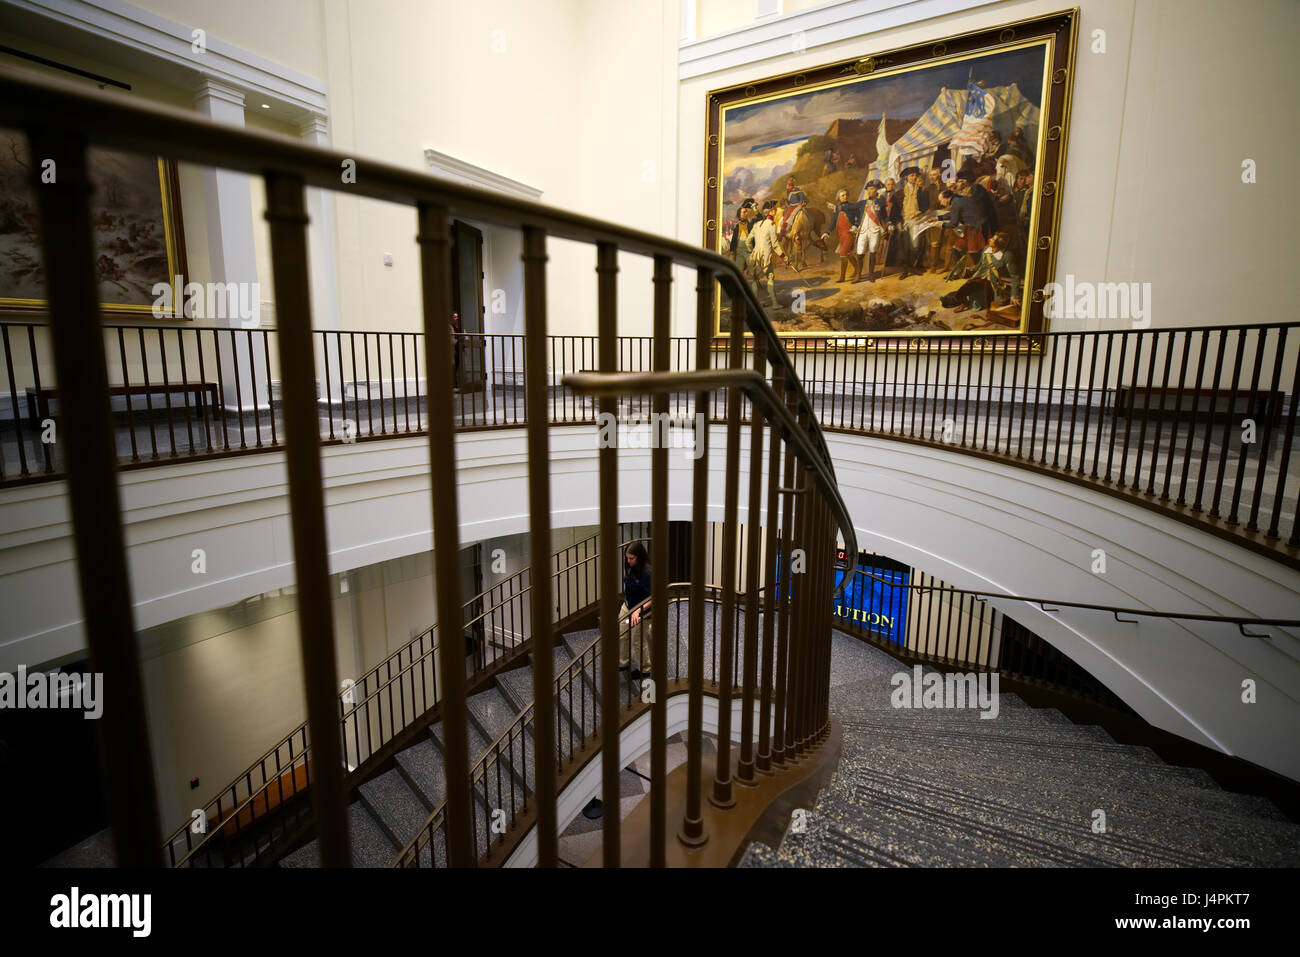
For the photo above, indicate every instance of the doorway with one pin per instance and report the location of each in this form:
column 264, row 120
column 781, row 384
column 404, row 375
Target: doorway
column 467, row 303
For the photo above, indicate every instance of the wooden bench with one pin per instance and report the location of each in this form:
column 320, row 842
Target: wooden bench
column 1265, row 406
column 290, row 784
column 38, row 400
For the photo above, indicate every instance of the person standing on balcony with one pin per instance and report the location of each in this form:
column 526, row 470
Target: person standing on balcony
column 635, row 611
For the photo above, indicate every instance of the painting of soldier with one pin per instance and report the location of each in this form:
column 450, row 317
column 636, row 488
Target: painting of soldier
column 930, row 235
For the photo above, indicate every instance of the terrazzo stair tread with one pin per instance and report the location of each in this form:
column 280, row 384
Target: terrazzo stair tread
column 495, row 793
column 1066, row 757
column 949, row 788
column 371, row 846
column 1071, row 760
column 1063, row 747
column 1171, row 835
column 421, row 767
column 492, row 712
column 875, row 695
column 395, row 805
column 1062, row 751
column 1050, row 721
column 562, row 657
column 839, row 835
column 917, row 829
column 1127, row 793
column 997, row 819
column 517, row 686
column 576, row 642
column 1024, row 730
column 478, row 744
column 760, row 855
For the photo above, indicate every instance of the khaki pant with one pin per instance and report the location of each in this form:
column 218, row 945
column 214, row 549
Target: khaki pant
column 638, row 638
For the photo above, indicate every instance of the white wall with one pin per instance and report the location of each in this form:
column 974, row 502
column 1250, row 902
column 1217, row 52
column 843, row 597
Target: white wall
column 574, row 98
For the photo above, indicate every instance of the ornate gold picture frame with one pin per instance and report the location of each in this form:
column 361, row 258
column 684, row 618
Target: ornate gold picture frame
column 909, row 193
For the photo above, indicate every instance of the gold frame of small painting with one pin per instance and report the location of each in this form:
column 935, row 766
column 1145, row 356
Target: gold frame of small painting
column 965, row 140
column 136, row 214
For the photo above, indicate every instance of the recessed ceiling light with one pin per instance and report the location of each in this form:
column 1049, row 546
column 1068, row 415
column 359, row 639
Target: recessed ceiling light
column 266, row 106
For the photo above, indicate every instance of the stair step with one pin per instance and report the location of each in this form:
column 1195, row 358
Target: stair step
column 1168, row 834
column 517, row 686
column 371, row 846
column 395, row 805
column 491, row 712
column 421, row 766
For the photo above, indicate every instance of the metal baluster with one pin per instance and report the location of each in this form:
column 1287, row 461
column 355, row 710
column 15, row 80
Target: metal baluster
column 663, row 276
column 611, row 561
column 13, row 402
column 1114, row 416
column 692, row 831
column 1178, row 411
column 1285, row 460
column 539, row 525
column 1196, row 408
column 167, row 395
column 94, row 501
column 185, row 381
column 1160, row 417
column 36, row 382
column 1270, row 413
column 1074, row 407
column 1060, row 422
column 770, row 516
column 434, row 238
column 1146, row 412
column 270, row 396
column 745, row 766
column 721, row 793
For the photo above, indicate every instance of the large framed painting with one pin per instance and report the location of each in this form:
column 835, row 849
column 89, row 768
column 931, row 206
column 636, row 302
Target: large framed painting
column 136, row 214
column 912, row 192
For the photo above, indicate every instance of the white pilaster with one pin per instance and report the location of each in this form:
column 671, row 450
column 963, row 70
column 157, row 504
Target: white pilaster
column 229, row 208
column 321, row 264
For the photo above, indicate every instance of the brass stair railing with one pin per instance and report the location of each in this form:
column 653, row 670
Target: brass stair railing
column 62, row 121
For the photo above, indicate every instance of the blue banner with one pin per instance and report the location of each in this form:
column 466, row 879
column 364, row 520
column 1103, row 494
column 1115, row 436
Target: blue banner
column 877, row 606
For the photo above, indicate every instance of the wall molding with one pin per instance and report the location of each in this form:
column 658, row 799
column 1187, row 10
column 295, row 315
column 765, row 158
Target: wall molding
column 449, row 167
column 162, row 45
column 797, row 33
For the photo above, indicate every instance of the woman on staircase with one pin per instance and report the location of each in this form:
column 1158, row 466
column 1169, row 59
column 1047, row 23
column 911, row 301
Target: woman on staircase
column 635, row 611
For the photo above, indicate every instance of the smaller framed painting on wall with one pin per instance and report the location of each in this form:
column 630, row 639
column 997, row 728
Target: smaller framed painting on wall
column 136, row 217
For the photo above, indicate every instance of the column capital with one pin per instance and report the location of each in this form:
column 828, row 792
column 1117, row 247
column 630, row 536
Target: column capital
column 210, row 93
column 314, row 128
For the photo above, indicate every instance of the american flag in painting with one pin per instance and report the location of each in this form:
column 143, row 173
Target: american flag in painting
column 977, row 124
